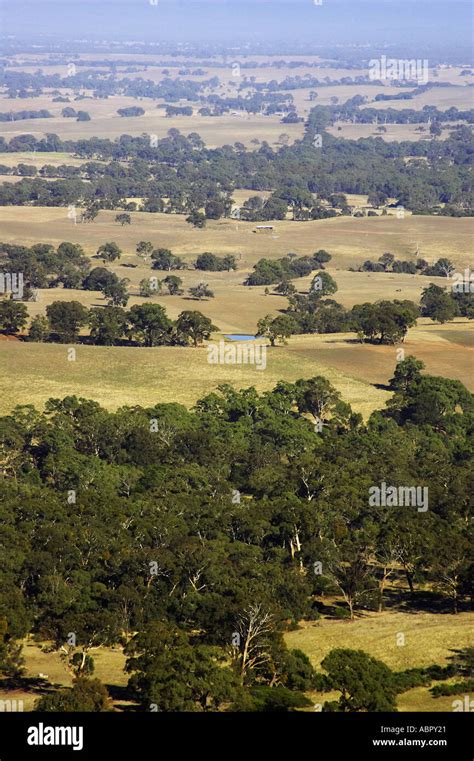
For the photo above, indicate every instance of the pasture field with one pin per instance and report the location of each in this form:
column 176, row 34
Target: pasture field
column 443, row 98
column 231, row 127
column 123, row 375
column 394, row 132
column 106, row 123
column 236, row 307
column 429, row 639
column 118, row 376
column 39, row 159
column 349, row 240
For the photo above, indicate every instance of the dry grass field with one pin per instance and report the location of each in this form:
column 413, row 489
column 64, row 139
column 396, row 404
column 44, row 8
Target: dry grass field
column 232, row 127
column 39, row 159
column 106, row 123
column 236, row 307
column 429, row 639
column 394, row 132
column 118, row 376
column 39, row 659
column 350, row 240
column 461, row 97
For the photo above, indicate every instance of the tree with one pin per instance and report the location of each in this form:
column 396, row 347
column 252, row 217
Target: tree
column 90, row 212
column 316, row 396
column 389, row 320
column 376, row 197
column 98, row 278
column 438, row 304
column 365, row 683
column 66, row 319
column 144, row 249
column 109, row 252
column 194, row 326
column 39, row 329
column 452, row 561
column 276, row 328
column 201, row 291
column 285, row 288
column 197, row 219
column 386, row 260
column 13, row 316
column 172, row 673
column 215, row 209
column 163, row 259
column 173, row 283
column 254, row 627
column 321, row 258
column 11, row 660
column 116, row 292
column 407, row 372
column 108, row 325
column 323, row 285
column 229, row 262
column 442, row 268
column 212, row 263
column 435, row 129
column 150, row 324
column 124, row 219
column 147, row 287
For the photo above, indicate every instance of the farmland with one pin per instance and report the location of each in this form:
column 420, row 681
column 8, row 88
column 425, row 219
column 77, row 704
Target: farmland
column 189, row 535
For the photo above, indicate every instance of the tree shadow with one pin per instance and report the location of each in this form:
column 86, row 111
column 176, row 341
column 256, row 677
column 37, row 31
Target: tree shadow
column 119, row 693
column 344, row 340
column 35, row 685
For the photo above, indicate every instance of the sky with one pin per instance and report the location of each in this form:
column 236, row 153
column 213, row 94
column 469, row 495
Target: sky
column 414, row 22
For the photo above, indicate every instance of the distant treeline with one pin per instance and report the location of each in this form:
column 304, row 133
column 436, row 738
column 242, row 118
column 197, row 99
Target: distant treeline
column 16, row 116
column 182, row 169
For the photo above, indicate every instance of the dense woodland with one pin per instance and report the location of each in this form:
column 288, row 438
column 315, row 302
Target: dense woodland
column 210, row 532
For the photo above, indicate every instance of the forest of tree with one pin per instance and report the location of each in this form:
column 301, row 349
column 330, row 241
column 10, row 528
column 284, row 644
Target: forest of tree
column 197, row 538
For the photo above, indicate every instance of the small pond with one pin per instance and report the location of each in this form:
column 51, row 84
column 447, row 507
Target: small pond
column 240, row 337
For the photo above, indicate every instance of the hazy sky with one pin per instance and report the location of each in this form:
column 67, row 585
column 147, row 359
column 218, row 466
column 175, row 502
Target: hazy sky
column 417, row 22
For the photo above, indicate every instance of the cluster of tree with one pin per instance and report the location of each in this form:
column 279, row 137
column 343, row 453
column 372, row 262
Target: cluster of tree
column 47, row 170
column 143, row 325
column 212, row 263
column 80, row 116
column 131, row 111
column 425, row 115
column 443, row 305
column 268, row 271
column 178, row 111
column 172, row 283
column 15, row 116
column 384, row 321
column 44, row 266
column 195, row 538
column 443, row 267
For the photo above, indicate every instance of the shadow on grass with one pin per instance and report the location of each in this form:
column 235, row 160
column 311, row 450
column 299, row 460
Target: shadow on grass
column 119, row 694
column 30, row 684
